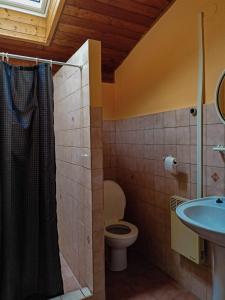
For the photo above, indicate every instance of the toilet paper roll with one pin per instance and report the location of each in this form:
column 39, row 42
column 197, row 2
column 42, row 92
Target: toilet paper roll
column 170, row 164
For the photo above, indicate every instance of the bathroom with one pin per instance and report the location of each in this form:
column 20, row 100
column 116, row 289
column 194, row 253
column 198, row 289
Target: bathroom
column 123, row 108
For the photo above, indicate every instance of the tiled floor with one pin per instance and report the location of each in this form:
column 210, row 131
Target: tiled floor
column 70, row 282
column 72, row 288
column 76, row 295
column 142, row 281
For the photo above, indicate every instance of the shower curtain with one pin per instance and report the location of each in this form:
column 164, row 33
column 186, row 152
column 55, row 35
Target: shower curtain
column 29, row 251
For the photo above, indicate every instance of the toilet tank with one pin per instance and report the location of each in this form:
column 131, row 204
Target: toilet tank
column 114, row 201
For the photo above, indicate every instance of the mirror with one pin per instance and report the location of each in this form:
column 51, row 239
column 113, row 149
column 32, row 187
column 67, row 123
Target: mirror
column 220, row 98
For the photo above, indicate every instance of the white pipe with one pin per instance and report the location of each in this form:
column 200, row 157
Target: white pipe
column 200, row 106
column 37, row 60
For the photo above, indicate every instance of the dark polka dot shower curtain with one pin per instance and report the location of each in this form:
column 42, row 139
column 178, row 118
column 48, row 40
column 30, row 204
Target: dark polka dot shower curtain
column 29, row 251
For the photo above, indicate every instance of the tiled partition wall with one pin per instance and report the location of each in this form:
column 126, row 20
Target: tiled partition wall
column 78, row 128
column 133, row 155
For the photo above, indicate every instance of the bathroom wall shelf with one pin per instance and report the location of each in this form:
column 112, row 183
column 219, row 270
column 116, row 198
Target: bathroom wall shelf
column 220, row 148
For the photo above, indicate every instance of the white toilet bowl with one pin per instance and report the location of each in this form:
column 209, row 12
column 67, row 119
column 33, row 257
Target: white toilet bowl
column 118, row 234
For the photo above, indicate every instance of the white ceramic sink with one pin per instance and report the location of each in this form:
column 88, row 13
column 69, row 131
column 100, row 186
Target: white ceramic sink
column 206, row 216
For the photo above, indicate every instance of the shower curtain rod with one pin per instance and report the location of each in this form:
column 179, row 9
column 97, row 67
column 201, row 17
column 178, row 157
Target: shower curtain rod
column 37, row 60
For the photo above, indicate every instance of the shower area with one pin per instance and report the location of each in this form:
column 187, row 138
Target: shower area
column 52, row 242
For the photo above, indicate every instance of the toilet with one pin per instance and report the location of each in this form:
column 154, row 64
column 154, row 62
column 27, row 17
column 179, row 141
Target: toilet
column 119, row 234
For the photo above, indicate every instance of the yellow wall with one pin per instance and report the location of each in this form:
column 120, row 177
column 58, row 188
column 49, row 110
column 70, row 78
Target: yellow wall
column 108, row 98
column 161, row 72
column 95, row 77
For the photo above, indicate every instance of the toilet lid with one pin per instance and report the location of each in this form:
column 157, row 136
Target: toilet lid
column 114, row 201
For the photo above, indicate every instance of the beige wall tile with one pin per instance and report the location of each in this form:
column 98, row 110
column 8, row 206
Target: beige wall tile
column 170, row 136
column 158, row 120
column 169, row 119
column 183, row 135
column 215, row 134
column 182, row 117
column 79, row 171
column 96, row 137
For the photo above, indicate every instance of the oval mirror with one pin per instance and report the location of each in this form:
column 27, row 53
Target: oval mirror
column 220, row 98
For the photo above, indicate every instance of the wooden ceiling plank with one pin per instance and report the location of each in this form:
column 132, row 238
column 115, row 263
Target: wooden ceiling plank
column 28, row 48
column 110, row 10
column 54, row 14
column 15, row 26
column 104, row 19
column 62, row 52
column 32, row 52
column 11, row 35
column 160, row 4
column 133, row 6
column 60, row 39
column 22, row 17
column 106, row 39
column 17, row 44
column 102, row 29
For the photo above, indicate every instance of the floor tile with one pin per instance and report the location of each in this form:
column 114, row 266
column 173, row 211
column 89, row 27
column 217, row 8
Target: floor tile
column 70, row 282
column 142, row 281
column 77, row 295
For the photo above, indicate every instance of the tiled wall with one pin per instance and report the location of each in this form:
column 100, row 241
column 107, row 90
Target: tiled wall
column 78, row 131
column 133, row 156
column 97, row 204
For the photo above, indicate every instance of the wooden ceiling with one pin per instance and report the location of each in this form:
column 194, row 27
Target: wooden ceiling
column 118, row 24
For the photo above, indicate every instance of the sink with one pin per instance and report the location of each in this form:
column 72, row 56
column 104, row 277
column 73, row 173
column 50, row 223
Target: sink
column 206, row 216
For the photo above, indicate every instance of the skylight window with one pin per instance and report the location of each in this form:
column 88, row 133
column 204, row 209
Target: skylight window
column 34, row 7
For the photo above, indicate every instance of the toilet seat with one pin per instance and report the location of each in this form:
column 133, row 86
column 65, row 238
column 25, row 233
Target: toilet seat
column 133, row 231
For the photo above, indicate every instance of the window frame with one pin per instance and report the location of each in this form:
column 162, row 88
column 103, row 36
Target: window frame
column 27, row 6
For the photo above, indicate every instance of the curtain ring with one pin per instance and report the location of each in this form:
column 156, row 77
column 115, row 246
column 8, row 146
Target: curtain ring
column 51, row 63
column 3, row 56
column 36, row 59
column 7, row 57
